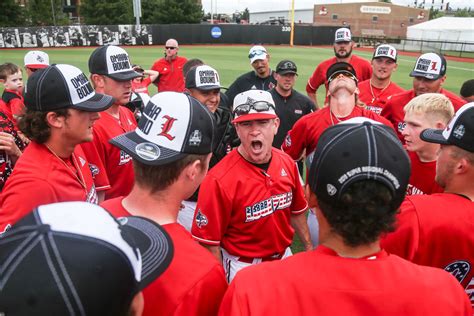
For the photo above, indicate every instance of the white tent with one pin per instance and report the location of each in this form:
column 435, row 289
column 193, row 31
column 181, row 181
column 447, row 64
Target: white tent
column 445, row 29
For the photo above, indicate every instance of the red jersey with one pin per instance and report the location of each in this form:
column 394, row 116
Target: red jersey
column 306, row 132
column 393, row 109
column 193, row 284
column 362, row 67
column 436, row 230
column 246, row 210
column 112, row 167
column 171, row 74
column 321, row 282
column 41, row 177
column 141, row 87
column 422, row 178
column 14, row 104
column 375, row 98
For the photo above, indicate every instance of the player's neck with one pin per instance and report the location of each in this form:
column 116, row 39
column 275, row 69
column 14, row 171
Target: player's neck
column 60, row 147
column 344, row 59
column 379, row 83
column 342, row 105
column 462, row 185
column 160, row 207
column 337, row 244
column 428, row 154
column 114, row 110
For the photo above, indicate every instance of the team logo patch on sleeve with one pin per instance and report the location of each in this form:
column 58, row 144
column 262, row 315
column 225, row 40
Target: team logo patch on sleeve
column 459, row 269
column 288, row 141
column 94, row 169
column 201, row 219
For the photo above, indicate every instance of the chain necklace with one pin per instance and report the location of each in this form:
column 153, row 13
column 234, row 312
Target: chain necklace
column 77, row 172
column 338, row 118
column 372, row 91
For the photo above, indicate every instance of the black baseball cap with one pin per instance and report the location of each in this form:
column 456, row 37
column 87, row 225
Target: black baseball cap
column 63, row 86
column 74, row 258
column 340, row 67
column 459, row 132
column 430, row 66
column 172, row 126
column 202, row 77
column 354, row 150
column 112, row 61
column 286, row 67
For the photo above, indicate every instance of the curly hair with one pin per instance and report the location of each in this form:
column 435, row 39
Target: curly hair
column 363, row 213
column 33, row 124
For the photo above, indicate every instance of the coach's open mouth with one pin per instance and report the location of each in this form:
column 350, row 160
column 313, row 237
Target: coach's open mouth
column 256, row 145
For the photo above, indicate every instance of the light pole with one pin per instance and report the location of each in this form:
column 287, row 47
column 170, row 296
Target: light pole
column 52, row 11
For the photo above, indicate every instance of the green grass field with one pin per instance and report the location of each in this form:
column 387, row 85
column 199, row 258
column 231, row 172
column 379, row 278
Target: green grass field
column 231, row 61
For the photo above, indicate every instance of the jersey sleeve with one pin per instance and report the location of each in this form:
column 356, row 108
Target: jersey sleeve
column 17, row 107
column 299, row 204
column 404, row 240
column 316, row 79
column 295, row 141
column 233, row 303
column 212, row 213
column 95, row 155
column 21, row 196
column 205, row 296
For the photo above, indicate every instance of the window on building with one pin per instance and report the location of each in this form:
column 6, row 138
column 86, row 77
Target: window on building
column 334, row 16
column 375, row 18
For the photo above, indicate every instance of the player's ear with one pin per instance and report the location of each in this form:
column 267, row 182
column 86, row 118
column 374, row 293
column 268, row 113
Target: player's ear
column 277, row 125
column 98, row 81
column 54, row 120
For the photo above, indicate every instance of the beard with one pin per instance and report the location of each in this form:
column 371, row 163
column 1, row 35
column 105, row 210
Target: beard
column 344, row 55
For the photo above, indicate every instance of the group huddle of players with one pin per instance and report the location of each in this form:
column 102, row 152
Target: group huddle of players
column 209, row 186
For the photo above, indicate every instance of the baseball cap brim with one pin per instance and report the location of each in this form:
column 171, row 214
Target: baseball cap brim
column 97, row 103
column 432, row 135
column 207, row 88
column 284, row 72
column 125, row 75
column 254, row 117
column 261, row 56
column 424, row 75
column 154, row 243
column 36, row 66
column 145, row 151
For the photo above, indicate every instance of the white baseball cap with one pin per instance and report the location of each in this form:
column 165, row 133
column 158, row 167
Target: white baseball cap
column 36, row 59
column 385, row 50
column 430, row 66
column 257, row 52
column 253, row 105
column 113, row 62
column 342, row 35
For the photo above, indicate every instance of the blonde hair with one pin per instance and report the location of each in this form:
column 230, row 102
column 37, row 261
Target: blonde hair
column 433, row 105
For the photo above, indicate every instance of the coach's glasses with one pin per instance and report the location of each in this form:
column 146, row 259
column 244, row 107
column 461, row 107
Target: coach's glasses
column 258, row 106
column 170, row 47
column 257, row 52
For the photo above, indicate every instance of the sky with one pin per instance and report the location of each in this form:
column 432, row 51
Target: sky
column 231, row 6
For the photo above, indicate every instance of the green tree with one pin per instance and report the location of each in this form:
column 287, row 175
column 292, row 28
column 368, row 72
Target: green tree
column 464, row 13
column 12, row 13
column 45, row 12
column 434, row 14
column 171, row 11
column 107, row 12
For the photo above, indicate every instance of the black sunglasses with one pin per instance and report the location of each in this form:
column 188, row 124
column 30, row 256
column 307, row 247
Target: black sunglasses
column 170, row 47
column 344, row 73
column 259, row 106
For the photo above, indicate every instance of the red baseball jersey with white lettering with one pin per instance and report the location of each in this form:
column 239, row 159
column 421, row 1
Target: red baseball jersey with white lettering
column 437, row 230
column 112, row 167
column 142, row 86
column 362, row 67
column 422, row 178
column 375, row 98
column 193, row 284
column 306, row 132
column 321, row 282
column 246, row 210
column 171, row 74
column 393, row 109
column 40, row 177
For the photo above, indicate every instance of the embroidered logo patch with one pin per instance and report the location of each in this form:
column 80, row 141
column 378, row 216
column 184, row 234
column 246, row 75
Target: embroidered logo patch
column 201, row 219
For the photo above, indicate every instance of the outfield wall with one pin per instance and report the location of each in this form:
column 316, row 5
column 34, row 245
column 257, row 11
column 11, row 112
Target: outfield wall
column 96, row 35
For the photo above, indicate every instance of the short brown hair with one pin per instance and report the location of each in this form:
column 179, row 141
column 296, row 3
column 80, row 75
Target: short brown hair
column 33, row 124
column 158, row 178
column 8, row 69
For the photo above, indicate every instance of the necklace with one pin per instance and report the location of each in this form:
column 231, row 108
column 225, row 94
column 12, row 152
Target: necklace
column 77, row 172
column 372, row 91
column 338, row 119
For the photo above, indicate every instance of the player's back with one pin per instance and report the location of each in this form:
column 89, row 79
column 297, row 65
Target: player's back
column 323, row 283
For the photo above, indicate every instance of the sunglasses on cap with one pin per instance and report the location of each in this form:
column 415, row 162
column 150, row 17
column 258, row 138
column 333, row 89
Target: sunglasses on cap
column 170, row 47
column 257, row 52
column 258, row 106
column 342, row 73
